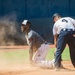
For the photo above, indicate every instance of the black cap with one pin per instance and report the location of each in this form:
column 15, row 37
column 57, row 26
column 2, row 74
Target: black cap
column 55, row 15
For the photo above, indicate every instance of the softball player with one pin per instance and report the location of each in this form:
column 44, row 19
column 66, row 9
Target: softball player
column 64, row 28
column 38, row 47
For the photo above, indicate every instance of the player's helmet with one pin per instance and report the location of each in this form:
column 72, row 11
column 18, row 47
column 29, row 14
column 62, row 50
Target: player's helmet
column 26, row 22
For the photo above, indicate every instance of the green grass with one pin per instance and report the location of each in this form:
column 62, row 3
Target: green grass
column 65, row 54
column 23, row 55
column 14, row 56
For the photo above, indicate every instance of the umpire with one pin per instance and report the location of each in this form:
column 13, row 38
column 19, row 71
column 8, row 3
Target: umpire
column 64, row 28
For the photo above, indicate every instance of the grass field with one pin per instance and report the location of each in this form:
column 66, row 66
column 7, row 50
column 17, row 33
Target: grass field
column 65, row 55
column 21, row 55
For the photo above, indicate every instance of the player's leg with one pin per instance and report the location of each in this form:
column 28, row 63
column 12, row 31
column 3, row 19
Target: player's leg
column 42, row 52
column 40, row 57
column 46, row 64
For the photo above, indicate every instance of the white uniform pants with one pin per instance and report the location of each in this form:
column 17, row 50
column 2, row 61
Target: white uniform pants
column 41, row 53
column 40, row 57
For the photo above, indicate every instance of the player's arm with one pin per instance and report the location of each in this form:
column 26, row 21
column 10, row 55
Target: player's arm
column 31, row 41
column 30, row 38
column 30, row 53
column 31, row 50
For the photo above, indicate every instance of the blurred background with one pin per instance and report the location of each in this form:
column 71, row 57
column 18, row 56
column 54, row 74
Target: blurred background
column 38, row 12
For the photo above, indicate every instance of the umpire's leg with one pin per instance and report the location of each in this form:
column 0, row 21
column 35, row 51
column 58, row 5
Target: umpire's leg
column 71, row 43
column 61, row 43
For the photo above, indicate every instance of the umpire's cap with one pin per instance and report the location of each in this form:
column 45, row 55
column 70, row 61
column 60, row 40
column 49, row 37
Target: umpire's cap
column 55, row 15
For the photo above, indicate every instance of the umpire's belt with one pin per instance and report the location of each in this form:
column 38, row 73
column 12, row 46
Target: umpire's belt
column 65, row 29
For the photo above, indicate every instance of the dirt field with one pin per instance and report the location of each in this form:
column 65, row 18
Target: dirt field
column 27, row 69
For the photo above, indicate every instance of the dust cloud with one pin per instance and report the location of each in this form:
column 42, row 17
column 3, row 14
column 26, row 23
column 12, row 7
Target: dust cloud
column 10, row 32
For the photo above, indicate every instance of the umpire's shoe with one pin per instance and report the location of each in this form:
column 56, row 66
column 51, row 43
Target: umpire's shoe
column 59, row 68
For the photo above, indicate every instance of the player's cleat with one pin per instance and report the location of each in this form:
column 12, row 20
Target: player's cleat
column 46, row 64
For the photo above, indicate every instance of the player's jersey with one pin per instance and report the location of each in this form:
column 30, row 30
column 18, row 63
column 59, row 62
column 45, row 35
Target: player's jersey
column 34, row 39
column 63, row 23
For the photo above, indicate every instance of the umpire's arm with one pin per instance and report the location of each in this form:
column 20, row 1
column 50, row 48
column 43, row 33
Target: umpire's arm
column 55, row 40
